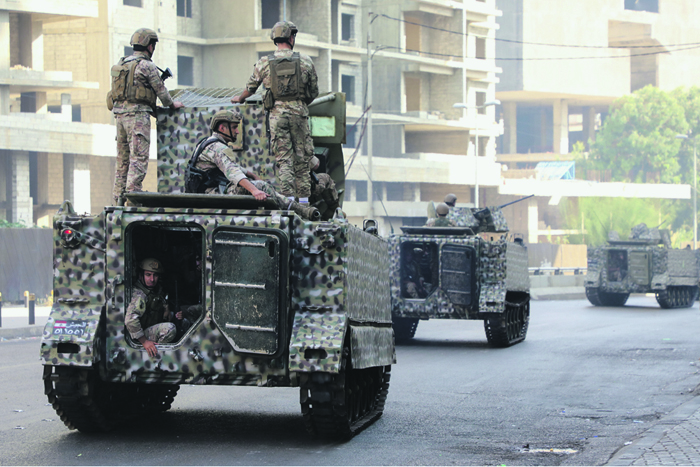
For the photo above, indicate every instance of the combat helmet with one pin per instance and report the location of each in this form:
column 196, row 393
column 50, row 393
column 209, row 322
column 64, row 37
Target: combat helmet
column 442, row 209
column 152, row 265
column 143, row 37
column 225, row 116
column 283, row 30
column 450, row 199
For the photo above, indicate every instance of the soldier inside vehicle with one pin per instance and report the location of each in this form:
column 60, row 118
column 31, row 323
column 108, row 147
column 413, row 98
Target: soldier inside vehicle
column 178, row 249
column 418, row 269
column 617, row 265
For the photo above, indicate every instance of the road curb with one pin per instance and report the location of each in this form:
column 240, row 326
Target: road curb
column 627, row 455
column 19, row 333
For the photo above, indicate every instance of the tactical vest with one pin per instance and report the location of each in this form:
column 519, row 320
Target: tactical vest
column 286, row 82
column 198, row 180
column 155, row 305
column 124, row 88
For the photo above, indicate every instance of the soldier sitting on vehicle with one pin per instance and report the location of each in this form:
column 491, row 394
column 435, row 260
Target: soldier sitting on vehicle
column 414, row 283
column 323, row 193
column 213, row 168
column 441, row 220
column 148, row 316
column 451, row 200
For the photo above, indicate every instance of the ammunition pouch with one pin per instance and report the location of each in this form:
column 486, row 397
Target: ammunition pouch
column 110, row 101
column 268, row 100
column 286, row 83
column 124, row 88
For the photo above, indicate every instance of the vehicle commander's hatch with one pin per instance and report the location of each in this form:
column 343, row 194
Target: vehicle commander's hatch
column 249, row 288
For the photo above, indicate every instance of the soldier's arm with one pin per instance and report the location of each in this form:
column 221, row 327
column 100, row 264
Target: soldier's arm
column 252, row 85
column 313, row 81
column 253, row 190
column 157, row 85
column 134, row 311
column 223, row 158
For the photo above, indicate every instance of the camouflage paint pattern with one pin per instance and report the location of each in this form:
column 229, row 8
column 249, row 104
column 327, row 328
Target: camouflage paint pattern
column 133, row 145
column 291, row 143
column 322, row 299
column 501, row 267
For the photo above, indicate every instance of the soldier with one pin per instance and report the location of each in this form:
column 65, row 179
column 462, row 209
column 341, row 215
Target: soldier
column 148, row 316
column 213, row 168
column 135, row 86
column 450, row 200
column 414, row 282
column 323, row 190
column 441, row 220
column 291, row 84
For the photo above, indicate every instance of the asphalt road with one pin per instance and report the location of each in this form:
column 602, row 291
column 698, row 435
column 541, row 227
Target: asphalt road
column 585, row 381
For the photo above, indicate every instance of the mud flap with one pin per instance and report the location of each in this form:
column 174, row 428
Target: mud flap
column 317, row 341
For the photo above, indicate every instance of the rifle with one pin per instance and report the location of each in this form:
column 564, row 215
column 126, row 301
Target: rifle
column 165, row 74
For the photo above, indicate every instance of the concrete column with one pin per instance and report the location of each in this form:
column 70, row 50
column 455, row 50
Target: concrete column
column 543, row 129
column 351, row 191
column 76, row 181
column 532, row 220
column 20, row 202
column 37, row 45
column 561, row 126
column 589, row 114
column 41, row 103
column 416, row 192
column 4, row 60
column 510, row 122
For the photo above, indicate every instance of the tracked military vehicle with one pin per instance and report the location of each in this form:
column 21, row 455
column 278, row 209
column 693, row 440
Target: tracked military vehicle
column 471, row 271
column 645, row 263
column 284, row 301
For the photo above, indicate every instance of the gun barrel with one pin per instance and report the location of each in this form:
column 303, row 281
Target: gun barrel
column 516, row 201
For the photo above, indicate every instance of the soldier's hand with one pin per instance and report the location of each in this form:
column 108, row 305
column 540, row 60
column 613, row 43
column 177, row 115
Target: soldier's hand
column 237, row 100
column 178, row 105
column 178, row 315
column 150, row 348
column 259, row 195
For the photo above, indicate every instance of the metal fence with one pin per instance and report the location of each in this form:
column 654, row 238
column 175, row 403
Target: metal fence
column 26, row 263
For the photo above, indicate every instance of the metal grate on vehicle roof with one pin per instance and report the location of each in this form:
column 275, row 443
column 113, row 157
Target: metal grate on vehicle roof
column 202, row 97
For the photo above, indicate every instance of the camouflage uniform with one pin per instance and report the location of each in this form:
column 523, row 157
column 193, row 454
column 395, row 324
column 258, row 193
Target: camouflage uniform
column 134, row 130
column 440, row 222
column 220, row 155
column 290, row 136
column 145, row 315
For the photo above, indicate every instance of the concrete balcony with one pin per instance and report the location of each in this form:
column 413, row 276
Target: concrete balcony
column 52, row 8
column 428, row 168
column 28, row 80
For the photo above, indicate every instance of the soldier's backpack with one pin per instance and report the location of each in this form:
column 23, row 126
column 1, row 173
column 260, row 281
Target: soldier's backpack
column 198, row 180
column 286, row 83
column 123, row 86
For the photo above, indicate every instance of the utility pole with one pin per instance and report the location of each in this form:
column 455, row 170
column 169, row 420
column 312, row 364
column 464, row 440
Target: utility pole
column 370, row 188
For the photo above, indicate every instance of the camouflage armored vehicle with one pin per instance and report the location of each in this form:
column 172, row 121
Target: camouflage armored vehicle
column 286, row 301
column 645, row 263
column 471, row 271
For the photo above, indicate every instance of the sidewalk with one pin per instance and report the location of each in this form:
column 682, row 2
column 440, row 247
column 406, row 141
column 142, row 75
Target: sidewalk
column 674, row 440
column 15, row 321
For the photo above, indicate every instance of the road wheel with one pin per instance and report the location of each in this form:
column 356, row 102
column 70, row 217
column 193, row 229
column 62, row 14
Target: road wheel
column 510, row 327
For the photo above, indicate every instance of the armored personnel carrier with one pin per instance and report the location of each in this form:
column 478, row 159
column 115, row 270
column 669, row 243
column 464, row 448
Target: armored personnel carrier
column 284, row 301
column 471, row 271
column 645, row 263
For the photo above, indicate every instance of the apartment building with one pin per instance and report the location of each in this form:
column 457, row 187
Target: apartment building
column 426, row 55
column 563, row 64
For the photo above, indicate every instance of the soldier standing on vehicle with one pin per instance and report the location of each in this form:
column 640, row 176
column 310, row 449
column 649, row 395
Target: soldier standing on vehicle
column 441, row 220
column 148, row 316
column 213, row 168
column 291, row 84
column 135, row 85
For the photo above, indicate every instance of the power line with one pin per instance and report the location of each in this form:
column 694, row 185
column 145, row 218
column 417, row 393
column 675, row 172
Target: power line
column 459, row 33
column 551, row 58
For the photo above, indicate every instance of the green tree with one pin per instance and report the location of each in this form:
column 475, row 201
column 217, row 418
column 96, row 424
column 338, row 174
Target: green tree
column 639, row 137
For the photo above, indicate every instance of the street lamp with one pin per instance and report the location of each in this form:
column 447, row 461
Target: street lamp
column 695, row 190
column 461, row 105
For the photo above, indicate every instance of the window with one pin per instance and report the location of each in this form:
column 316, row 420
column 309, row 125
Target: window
column 480, row 101
column 136, row 3
column 128, row 50
column 185, row 70
column 642, row 5
column 184, row 8
column 76, row 113
column 480, row 48
column 348, row 27
column 270, row 13
column 360, row 191
column 347, row 86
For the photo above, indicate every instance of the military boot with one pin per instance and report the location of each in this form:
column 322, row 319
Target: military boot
column 307, row 212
